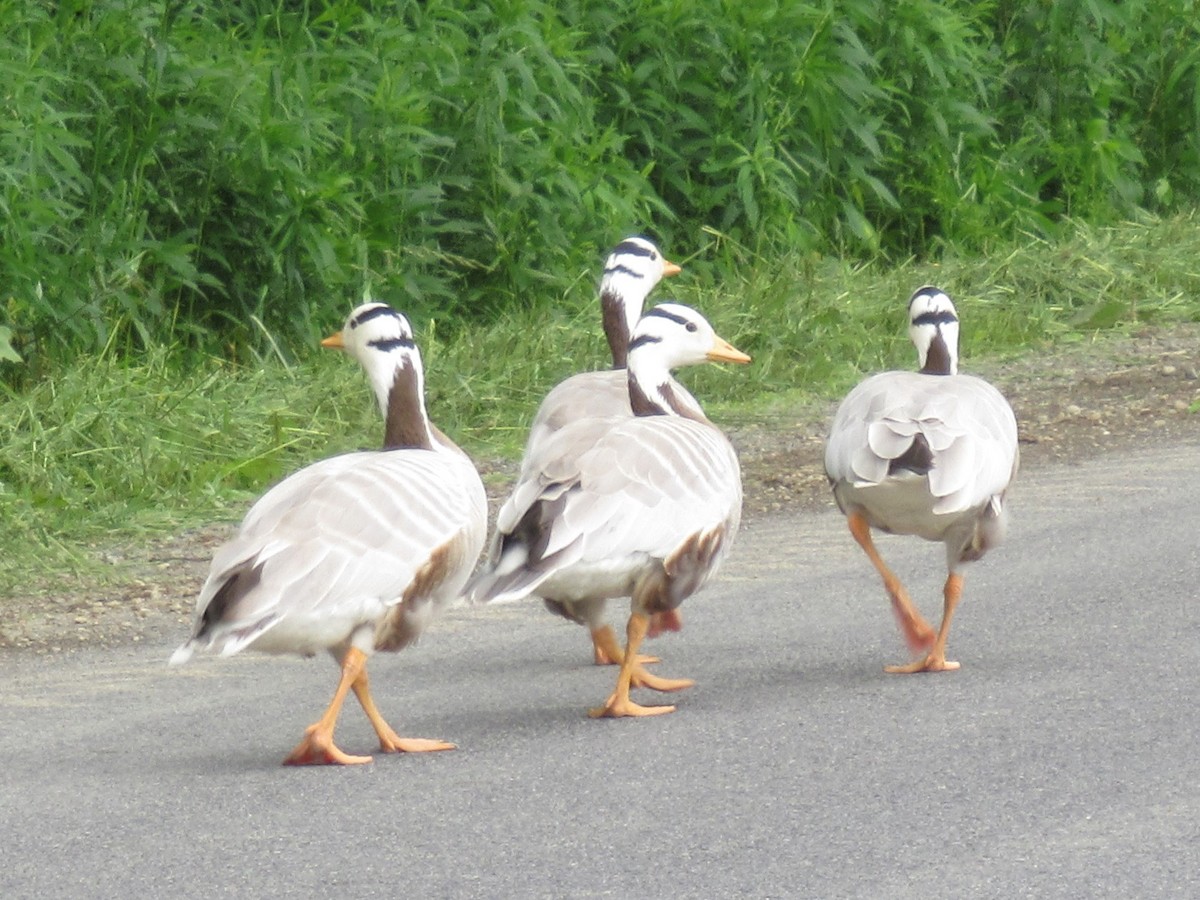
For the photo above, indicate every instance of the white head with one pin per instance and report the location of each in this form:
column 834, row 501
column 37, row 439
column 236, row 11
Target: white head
column 381, row 339
column 669, row 336
column 933, row 327
column 631, row 272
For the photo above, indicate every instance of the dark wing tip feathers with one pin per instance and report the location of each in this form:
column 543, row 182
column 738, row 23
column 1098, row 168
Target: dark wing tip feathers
column 918, row 458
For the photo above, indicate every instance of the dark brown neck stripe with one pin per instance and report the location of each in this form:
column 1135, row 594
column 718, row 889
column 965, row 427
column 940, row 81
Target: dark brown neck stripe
column 406, row 425
column 937, row 358
column 616, row 327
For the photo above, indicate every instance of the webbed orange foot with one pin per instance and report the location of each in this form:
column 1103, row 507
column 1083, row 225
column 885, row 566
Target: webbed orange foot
column 317, row 749
column 615, row 708
column 929, row 664
column 642, row 678
column 396, row 744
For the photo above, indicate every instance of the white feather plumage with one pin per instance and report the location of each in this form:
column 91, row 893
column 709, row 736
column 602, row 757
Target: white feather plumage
column 357, row 552
column 927, row 453
column 642, row 506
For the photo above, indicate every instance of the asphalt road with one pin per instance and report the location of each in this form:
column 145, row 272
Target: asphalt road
column 1063, row 760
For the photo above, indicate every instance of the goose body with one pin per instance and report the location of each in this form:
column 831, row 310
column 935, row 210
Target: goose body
column 356, row 553
column 642, row 506
column 632, row 270
column 928, row 453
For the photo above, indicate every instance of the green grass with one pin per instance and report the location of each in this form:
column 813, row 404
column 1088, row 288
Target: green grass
column 120, row 448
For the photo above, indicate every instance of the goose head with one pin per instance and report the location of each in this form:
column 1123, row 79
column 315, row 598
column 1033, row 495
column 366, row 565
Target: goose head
column 631, row 272
column 933, row 327
column 667, row 337
column 381, row 339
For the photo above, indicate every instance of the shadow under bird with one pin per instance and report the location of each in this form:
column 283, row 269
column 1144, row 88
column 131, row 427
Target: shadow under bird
column 643, row 506
column 928, row 453
column 356, row 553
column 631, row 272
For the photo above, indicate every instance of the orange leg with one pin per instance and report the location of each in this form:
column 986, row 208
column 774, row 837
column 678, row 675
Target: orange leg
column 389, row 741
column 619, row 704
column 607, row 652
column 917, row 633
column 935, row 660
column 317, row 747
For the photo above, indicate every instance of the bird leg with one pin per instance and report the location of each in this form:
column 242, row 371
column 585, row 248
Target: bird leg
column 317, row 747
column 607, row 652
column 618, row 703
column 935, row 660
column 917, row 633
column 389, row 741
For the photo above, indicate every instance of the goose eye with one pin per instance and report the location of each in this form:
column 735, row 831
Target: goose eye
column 692, row 326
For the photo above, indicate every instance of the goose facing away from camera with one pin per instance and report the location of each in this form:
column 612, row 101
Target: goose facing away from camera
column 633, row 269
column 643, row 506
column 928, row 453
column 355, row 553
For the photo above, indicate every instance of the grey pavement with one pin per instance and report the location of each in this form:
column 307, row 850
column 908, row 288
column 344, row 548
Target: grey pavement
column 1062, row 760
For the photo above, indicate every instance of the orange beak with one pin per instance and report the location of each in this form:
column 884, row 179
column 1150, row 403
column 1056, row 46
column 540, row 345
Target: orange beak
column 723, row 351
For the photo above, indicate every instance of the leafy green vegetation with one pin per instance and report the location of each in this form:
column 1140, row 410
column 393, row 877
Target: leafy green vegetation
column 215, row 177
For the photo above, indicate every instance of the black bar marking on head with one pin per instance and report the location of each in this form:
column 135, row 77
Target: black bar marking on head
column 387, row 345
column 633, row 248
column 373, row 313
column 624, row 270
column 643, row 339
column 667, row 314
column 938, row 317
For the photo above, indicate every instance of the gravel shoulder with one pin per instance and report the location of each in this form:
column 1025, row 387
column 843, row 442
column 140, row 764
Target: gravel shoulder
column 1075, row 402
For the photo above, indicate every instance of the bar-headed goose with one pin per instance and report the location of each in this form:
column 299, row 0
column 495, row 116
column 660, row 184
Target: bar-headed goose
column 355, row 553
column 642, row 506
column 631, row 272
column 929, row 453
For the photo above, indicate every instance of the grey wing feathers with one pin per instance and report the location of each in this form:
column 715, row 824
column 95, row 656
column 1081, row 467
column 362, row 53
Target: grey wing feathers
column 583, row 395
column 966, row 423
column 634, row 486
column 341, row 532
